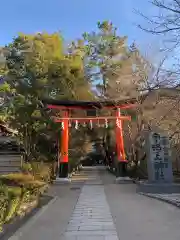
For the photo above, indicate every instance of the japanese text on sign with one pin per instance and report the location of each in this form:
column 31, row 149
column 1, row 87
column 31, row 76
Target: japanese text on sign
column 157, row 154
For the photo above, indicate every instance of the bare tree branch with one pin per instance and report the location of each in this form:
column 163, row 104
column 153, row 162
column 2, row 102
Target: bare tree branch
column 167, row 21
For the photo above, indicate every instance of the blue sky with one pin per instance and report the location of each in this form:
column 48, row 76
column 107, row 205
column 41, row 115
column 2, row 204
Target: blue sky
column 72, row 17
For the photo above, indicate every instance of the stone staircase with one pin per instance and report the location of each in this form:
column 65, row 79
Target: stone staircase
column 10, row 163
column 10, row 156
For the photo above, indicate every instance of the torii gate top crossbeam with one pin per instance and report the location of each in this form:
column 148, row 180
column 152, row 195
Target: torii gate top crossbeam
column 62, row 104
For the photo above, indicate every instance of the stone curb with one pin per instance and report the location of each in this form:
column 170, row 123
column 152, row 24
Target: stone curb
column 161, row 199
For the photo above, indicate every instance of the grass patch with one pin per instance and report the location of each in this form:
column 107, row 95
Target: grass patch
column 20, row 179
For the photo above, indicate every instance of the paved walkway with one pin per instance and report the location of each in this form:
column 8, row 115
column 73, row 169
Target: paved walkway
column 91, row 218
column 94, row 207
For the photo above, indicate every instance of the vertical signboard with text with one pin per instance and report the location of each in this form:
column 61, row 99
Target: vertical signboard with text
column 159, row 159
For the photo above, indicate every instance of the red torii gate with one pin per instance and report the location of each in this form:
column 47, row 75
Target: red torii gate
column 67, row 106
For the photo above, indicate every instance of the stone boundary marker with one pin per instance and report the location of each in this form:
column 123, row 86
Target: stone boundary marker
column 173, row 199
column 159, row 166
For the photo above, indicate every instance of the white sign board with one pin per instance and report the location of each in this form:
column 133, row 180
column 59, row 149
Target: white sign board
column 159, row 159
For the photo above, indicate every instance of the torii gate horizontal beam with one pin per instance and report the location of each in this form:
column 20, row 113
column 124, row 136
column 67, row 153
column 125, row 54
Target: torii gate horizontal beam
column 128, row 118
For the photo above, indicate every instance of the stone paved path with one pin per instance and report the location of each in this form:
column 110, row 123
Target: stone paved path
column 91, row 218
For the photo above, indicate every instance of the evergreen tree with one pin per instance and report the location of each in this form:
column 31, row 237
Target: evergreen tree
column 39, row 68
column 117, row 70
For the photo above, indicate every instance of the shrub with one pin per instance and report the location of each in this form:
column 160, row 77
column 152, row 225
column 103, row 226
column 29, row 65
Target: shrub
column 15, row 190
column 40, row 170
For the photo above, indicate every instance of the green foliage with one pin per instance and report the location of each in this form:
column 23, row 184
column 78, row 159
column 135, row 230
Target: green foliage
column 12, row 208
column 40, row 170
column 117, row 70
column 100, row 49
column 3, row 207
column 38, row 68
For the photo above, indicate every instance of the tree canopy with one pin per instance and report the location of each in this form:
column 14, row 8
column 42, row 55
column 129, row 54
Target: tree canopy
column 42, row 66
column 119, row 71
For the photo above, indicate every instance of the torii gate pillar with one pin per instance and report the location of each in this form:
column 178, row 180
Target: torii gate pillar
column 63, row 156
column 121, row 170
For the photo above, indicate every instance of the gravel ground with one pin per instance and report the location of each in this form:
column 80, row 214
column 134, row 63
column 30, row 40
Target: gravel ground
column 173, row 198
